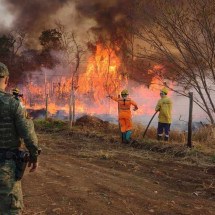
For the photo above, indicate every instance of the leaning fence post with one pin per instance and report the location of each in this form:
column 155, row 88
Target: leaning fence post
column 189, row 138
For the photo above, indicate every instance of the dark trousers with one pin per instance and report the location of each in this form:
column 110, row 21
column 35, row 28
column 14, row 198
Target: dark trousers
column 163, row 127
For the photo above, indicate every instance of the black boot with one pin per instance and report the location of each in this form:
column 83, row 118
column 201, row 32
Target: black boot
column 159, row 138
column 166, row 138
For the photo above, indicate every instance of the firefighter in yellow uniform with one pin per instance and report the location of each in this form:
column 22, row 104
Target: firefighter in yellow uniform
column 124, row 108
column 164, row 106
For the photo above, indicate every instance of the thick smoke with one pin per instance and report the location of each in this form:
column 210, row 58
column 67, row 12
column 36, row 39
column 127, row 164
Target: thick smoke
column 99, row 16
column 32, row 15
column 111, row 17
column 109, row 14
column 116, row 16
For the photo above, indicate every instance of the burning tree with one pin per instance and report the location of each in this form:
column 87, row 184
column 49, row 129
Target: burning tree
column 181, row 37
column 68, row 51
column 72, row 54
column 84, row 89
column 102, row 76
column 112, row 75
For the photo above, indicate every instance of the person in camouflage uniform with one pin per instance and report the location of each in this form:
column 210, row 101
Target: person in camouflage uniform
column 13, row 126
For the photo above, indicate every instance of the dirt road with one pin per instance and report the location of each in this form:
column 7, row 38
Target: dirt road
column 82, row 175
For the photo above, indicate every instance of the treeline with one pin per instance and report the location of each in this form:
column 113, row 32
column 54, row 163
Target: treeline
column 20, row 58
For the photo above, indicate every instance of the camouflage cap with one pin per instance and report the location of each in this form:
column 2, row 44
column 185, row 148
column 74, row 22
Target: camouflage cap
column 3, row 70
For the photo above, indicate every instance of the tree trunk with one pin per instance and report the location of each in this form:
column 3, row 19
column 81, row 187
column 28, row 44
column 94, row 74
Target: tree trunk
column 70, row 110
column 46, row 116
column 73, row 107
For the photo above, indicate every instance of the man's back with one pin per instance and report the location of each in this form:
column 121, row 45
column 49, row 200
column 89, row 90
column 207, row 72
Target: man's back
column 165, row 107
column 8, row 106
column 14, row 125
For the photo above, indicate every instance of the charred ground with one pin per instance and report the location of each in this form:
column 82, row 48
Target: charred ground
column 84, row 170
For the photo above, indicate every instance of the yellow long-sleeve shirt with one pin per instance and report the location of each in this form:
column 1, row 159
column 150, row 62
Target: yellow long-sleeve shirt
column 164, row 106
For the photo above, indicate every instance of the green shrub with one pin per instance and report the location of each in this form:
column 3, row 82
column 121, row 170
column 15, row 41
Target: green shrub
column 50, row 124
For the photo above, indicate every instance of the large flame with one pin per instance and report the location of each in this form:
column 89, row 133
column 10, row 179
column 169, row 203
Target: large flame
column 101, row 78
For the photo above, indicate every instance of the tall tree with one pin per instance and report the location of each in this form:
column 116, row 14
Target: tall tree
column 180, row 35
column 11, row 45
column 73, row 51
column 50, row 41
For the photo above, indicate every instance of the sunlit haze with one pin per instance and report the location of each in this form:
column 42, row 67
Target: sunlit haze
column 6, row 18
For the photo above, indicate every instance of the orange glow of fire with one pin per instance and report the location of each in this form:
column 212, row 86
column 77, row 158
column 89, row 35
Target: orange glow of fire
column 102, row 75
column 101, row 78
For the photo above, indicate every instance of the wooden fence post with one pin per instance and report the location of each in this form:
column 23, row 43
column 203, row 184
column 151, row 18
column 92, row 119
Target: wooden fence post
column 46, row 96
column 189, row 138
column 46, row 117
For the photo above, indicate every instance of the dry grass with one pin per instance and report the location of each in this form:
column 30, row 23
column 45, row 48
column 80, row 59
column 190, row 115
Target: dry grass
column 175, row 136
column 203, row 136
column 203, row 139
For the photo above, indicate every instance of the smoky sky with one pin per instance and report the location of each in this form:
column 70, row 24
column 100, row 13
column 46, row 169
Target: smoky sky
column 33, row 15
column 36, row 15
column 109, row 15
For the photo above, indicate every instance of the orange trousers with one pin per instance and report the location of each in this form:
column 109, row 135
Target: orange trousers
column 125, row 121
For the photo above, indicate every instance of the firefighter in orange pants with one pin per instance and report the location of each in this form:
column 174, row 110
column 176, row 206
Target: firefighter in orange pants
column 124, row 105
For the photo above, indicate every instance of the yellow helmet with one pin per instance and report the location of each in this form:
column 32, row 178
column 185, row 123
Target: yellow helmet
column 165, row 90
column 124, row 92
column 15, row 90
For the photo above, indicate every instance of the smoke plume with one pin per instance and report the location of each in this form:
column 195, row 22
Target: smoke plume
column 98, row 16
column 32, row 15
column 109, row 14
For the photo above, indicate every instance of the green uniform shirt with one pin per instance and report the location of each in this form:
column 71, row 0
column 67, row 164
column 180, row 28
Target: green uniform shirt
column 14, row 125
column 164, row 106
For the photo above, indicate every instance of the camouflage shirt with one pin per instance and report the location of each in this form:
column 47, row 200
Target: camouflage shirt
column 14, row 125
